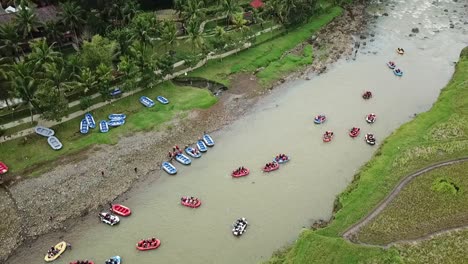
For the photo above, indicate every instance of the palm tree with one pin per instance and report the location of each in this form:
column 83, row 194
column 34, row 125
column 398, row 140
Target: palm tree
column 9, row 40
column 86, row 79
column 231, row 7
column 121, row 11
column 195, row 37
column 168, row 34
column 239, row 22
column 42, row 54
column 26, row 20
column 192, row 9
column 72, row 17
column 53, row 32
column 24, row 85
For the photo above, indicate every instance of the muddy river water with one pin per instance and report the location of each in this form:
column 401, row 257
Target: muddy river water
column 278, row 205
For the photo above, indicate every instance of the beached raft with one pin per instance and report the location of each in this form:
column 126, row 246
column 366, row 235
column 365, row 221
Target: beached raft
column 44, row 131
column 192, row 152
column 116, row 122
column 146, row 101
column 121, row 210
column 201, row 146
column 183, row 159
column 103, row 126
column 117, row 116
column 84, row 127
column 90, row 119
column 162, row 100
column 54, row 143
column 208, row 140
column 169, row 168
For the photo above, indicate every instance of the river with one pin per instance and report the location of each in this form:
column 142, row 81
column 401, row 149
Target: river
column 278, row 205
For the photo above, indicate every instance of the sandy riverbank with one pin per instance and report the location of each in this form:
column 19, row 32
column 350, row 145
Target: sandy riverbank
column 75, row 187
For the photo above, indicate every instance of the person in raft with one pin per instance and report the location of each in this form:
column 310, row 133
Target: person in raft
column 111, row 261
column 147, row 242
column 52, row 251
column 269, row 165
column 328, row 134
column 240, row 170
column 391, row 63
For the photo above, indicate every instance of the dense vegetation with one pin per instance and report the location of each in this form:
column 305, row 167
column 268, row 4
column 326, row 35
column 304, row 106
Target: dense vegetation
column 116, row 42
column 437, row 135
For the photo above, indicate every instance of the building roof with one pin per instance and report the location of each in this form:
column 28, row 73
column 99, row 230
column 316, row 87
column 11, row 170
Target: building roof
column 44, row 14
column 256, row 3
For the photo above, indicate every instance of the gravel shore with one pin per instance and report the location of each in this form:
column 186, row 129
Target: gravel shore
column 76, row 187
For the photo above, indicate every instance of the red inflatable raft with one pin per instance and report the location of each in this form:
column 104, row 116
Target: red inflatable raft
column 3, row 168
column 184, row 202
column 82, row 261
column 121, row 210
column 354, row 132
column 243, row 173
column 271, row 168
column 328, row 136
column 149, row 246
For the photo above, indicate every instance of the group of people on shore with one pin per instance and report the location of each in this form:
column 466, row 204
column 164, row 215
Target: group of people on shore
column 175, row 151
column 189, row 200
column 146, row 243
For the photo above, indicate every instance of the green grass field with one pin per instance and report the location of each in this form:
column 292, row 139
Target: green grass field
column 268, row 55
column 437, row 135
column 431, row 202
column 28, row 152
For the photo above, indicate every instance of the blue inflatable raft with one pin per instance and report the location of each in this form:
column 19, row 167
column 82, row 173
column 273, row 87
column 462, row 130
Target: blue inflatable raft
column 183, row 159
column 189, row 152
column 162, row 100
column 146, row 101
column 208, row 140
column 54, row 143
column 84, row 128
column 103, row 126
column 116, row 123
column 398, row 72
column 117, row 116
column 169, row 168
column 90, row 119
column 320, row 119
column 201, row 146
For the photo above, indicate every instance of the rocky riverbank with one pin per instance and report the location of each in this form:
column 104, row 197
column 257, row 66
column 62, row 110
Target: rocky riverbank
column 76, row 187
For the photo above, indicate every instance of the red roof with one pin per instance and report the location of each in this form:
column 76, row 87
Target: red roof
column 3, row 168
column 256, row 3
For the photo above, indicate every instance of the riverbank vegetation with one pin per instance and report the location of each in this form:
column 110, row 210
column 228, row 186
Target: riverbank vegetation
column 434, row 136
column 127, row 48
column 430, row 203
column 33, row 152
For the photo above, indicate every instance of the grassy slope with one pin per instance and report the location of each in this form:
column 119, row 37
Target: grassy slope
column 33, row 150
column 267, row 54
column 437, row 135
column 420, row 209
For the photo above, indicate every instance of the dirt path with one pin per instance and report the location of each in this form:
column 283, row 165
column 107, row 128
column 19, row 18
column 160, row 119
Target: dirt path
column 351, row 232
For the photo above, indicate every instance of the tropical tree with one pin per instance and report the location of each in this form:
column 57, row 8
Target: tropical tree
column 98, row 50
column 53, row 32
column 24, row 85
column 104, row 73
column 72, row 16
column 192, row 10
column 220, row 38
column 239, row 22
column 87, row 79
column 121, row 12
column 123, row 36
column 144, row 28
column 131, row 72
column 26, row 20
column 41, row 55
column 165, row 65
column 230, row 8
column 195, row 37
column 9, row 40
column 168, row 34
